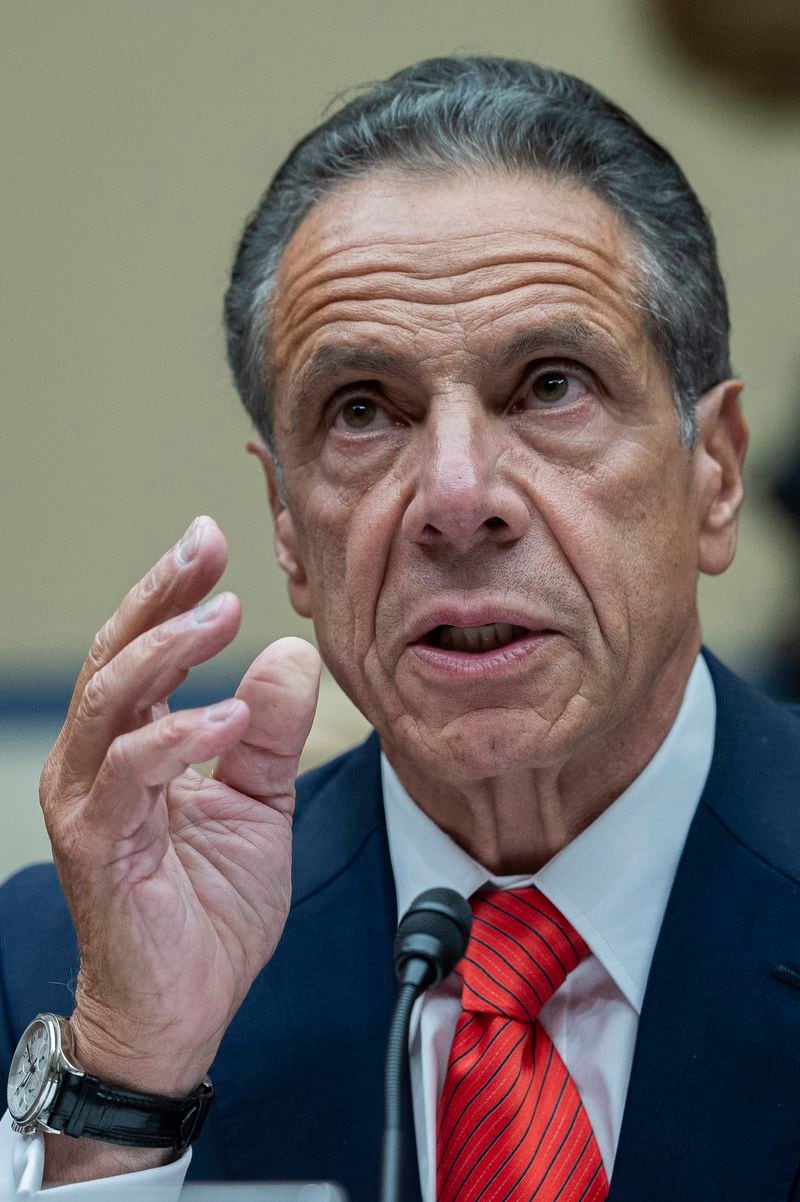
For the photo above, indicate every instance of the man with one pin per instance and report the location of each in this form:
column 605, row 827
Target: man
column 479, row 325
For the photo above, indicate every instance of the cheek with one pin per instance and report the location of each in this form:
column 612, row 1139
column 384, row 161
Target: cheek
column 625, row 527
column 347, row 534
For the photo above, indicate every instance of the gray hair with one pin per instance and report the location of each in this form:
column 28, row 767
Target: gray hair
column 457, row 114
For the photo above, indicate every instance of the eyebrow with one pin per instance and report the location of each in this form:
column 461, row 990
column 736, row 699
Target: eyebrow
column 570, row 335
column 329, row 361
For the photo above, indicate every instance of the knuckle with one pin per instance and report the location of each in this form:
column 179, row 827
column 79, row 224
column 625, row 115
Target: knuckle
column 95, row 696
column 118, row 756
column 172, row 730
column 129, row 754
column 149, row 586
column 100, row 650
column 159, row 637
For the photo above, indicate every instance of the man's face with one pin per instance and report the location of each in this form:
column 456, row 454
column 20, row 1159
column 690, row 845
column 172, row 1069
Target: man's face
column 489, row 511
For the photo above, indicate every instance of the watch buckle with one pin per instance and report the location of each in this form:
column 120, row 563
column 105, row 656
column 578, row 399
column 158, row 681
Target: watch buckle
column 192, row 1122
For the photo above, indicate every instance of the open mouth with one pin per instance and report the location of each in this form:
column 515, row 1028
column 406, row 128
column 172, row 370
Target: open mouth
column 474, row 639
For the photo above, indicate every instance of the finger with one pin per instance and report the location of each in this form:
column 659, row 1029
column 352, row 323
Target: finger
column 129, row 785
column 182, row 576
column 281, row 689
column 144, row 672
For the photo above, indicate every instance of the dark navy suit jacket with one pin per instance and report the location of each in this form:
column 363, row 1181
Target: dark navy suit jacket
column 713, row 1107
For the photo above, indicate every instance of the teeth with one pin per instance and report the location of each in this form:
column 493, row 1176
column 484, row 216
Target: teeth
column 478, row 638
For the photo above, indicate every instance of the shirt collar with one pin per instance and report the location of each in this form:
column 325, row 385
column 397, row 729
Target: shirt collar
column 612, row 882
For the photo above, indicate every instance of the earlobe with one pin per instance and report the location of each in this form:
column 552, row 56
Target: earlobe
column 719, row 457
column 284, row 537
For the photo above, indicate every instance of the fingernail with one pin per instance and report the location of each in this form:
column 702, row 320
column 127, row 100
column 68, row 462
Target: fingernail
column 208, row 610
column 187, row 547
column 222, row 710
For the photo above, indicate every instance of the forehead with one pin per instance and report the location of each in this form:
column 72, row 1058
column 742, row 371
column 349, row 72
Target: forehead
column 428, row 262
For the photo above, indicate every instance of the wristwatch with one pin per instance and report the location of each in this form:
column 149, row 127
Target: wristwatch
column 48, row 1093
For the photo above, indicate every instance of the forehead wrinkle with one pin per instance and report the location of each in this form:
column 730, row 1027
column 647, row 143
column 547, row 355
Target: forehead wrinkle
column 317, row 251
column 352, row 221
column 416, row 267
column 319, row 310
column 337, row 224
column 413, row 315
column 420, row 260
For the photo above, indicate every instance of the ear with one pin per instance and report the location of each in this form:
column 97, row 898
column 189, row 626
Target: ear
column 719, row 457
column 284, row 537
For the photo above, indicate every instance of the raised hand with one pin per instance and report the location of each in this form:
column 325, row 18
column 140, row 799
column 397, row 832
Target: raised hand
column 179, row 884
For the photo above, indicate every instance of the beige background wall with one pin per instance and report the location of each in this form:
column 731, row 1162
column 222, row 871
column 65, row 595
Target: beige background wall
column 137, row 135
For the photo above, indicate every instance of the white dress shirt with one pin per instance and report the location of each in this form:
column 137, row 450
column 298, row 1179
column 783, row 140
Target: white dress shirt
column 612, row 883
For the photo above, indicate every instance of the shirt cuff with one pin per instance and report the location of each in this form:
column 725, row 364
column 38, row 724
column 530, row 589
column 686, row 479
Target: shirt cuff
column 22, row 1165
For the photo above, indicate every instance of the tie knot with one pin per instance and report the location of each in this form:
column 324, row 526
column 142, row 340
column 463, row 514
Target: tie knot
column 520, row 951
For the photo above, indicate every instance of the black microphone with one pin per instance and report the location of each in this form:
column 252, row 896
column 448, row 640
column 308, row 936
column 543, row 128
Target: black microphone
column 431, row 939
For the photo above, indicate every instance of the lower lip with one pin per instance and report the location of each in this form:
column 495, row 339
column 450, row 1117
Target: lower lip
column 481, row 665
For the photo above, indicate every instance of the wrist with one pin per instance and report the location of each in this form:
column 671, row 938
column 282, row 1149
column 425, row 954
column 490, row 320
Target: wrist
column 133, row 1058
column 54, row 1088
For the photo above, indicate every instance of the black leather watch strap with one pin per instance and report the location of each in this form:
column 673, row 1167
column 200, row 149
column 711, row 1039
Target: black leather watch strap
column 89, row 1108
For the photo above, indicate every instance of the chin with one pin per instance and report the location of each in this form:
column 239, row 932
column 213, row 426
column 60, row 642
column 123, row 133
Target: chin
column 486, row 743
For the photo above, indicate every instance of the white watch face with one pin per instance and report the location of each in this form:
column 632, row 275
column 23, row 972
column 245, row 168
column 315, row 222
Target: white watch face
column 30, row 1070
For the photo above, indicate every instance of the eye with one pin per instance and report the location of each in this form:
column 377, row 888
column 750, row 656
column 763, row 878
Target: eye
column 550, row 387
column 358, row 414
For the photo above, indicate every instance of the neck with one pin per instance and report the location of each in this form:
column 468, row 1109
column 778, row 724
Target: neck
column 514, row 822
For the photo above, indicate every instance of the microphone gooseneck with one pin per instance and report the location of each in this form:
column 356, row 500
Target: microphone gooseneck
column 431, row 939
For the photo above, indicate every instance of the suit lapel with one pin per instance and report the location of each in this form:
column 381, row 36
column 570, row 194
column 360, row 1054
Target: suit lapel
column 713, row 1106
column 303, row 1060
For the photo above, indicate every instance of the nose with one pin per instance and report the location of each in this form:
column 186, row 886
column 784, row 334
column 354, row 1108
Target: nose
column 464, row 495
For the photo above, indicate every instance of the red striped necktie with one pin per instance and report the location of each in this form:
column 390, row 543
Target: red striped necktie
column 511, row 1124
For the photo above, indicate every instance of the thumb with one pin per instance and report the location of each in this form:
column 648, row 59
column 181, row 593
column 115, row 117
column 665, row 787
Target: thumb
column 281, row 688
